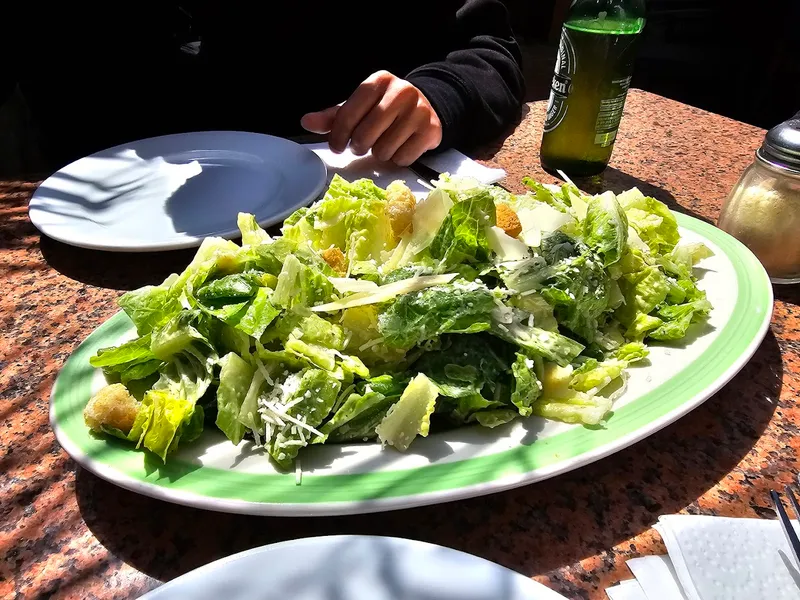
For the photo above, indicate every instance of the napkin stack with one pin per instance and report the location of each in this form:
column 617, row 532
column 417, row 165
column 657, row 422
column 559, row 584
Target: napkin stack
column 351, row 167
column 714, row 558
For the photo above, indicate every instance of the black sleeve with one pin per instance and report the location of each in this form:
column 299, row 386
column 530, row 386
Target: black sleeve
column 478, row 88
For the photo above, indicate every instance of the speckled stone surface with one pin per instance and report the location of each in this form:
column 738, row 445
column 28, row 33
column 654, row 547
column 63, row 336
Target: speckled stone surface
column 64, row 533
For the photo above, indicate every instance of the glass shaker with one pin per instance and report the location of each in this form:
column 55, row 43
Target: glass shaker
column 763, row 209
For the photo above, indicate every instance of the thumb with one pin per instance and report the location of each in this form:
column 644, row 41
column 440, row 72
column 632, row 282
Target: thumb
column 319, row 122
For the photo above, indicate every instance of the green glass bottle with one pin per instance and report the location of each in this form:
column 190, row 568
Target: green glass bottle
column 592, row 76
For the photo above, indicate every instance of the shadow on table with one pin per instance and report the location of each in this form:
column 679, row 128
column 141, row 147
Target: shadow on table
column 16, row 230
column 116, row 270
column 534, row 530
column 787, row 293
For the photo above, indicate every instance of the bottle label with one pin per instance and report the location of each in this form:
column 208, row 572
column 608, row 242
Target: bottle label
column 562, row 82
column 610, row 113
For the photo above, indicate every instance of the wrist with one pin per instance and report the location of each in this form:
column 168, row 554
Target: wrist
column 446, row 102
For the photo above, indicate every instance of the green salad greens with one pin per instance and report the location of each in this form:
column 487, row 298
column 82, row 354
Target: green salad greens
column 376, row 317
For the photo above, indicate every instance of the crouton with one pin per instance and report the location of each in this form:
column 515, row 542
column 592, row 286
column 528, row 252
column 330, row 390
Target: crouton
column 400, row 208
column 113, row 406
column 335, row 259
column 507, row 220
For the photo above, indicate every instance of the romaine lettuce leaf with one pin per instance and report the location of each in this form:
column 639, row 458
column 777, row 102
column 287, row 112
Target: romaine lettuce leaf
column 239, row 300
column 632, row 352
column 130, row 361
column 410, row 415
column 527, row 387
column 561, row 402
column 643, row 291
column 465, row 365
column 651, row 219
column 234, row 382
column 542, row 193
column 578, row 289
column 466, row 409
column 163, row 421
column 258, row 315
column 302, row 324
column 462, row 236
column 179, row 335
column 131, row 352
column 594, row 376
column 252, row 233
column 688, row 255
column 495, row 417
column 605, row 228
column 536, row 305
column 360, row 324
column 460, row 188
column 363, row 409
column 539, row 342
column 642, row 325
column 229, row 289
column 351, row 217
column 188, row 354
column 678, row 318
column 579, row 409
column 426, row 314
column 570, row 277
column 301, row 285
column 270, row 257
column 150, row 306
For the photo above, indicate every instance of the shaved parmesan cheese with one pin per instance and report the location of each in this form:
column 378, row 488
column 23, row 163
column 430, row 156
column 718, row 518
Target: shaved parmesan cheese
column 579, row 206
column 428, row 216
column 395, row 257
column 264, row 372
column 506, row 247
column 503, row 314
column 369, row 344
column 386, row 292
column 535, row 221
column 347, row 285
column 279, row 411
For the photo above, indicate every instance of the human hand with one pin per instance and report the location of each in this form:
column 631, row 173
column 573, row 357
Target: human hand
column 386, row 114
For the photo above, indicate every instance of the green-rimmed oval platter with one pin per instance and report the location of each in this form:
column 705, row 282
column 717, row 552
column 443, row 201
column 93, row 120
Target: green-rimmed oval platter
column 213, row 474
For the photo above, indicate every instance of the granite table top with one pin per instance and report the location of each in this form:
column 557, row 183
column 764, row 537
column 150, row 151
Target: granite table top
column 65, row 533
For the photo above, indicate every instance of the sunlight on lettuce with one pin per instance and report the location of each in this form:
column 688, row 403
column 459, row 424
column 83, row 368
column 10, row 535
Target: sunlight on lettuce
column 375, row 318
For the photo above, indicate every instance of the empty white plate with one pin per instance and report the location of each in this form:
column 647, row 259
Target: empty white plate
column 171, row 191
column 352, row 567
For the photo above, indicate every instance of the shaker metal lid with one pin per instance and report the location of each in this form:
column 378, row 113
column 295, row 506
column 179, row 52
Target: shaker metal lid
column 782, row 144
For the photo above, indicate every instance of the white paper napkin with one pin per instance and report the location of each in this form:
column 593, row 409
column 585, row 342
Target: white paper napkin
column 716, row 558
column 350, row 166
column 730, row 559
column 626, row 590
column 657, row 578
